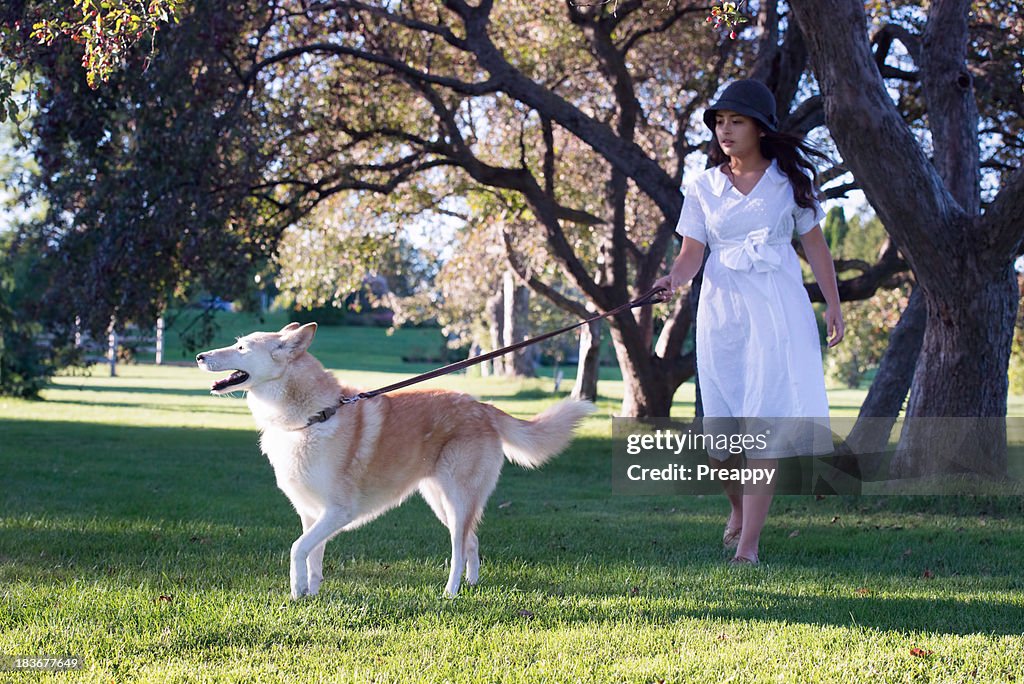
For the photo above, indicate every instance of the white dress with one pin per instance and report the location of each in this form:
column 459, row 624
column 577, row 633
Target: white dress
column 758, row 350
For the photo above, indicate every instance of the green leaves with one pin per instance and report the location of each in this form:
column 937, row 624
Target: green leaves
column 108, row 31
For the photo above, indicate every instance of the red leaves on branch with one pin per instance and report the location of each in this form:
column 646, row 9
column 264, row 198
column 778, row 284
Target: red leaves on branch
column 729, row 15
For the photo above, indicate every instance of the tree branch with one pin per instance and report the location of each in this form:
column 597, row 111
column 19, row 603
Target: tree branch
column 484, row 88
column 1003, row 222
column 892, row 72
column 808, row 115
column 948, row 89
column 665, row 25
column 881, row 274
column 402, row 20
column 537, row 285
column 882, row 40
column 544, row 207
column 627, row 156
column 878, row 147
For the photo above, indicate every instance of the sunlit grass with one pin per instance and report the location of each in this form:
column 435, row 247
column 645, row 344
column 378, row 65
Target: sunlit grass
column 141, row 529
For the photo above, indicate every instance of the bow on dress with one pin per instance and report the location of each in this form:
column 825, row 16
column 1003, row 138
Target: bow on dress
column 756, row 251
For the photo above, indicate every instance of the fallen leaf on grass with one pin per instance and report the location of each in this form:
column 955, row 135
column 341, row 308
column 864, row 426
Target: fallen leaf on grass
column 164, row 599
column 863, row 591
column 835, row 519
column 794, row 533
column 927, row 574
column 525, row 614
column 920, row 652
column 504, row 504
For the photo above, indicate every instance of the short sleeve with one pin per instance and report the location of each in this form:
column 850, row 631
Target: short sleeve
column 691, row 219
column 806, row 218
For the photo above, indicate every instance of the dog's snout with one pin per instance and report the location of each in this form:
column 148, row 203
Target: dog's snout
column 200, row 357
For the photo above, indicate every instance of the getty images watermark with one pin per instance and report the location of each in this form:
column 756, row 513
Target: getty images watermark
column 819, row 455
column 676, row 443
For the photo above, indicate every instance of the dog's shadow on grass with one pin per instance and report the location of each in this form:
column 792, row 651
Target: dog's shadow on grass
column 199, row 507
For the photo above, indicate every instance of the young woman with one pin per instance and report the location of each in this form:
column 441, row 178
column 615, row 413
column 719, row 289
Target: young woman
column 758, row 352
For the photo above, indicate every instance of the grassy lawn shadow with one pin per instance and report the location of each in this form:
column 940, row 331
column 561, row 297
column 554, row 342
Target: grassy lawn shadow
column 198, row 508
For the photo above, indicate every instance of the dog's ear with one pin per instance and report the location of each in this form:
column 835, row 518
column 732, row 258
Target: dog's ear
column 297, row 340
column 290, row 326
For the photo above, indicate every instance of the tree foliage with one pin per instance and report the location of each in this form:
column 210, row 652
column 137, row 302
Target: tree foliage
column 106, row 30
column 342, row 245
column 149, row 180
column 582, row 117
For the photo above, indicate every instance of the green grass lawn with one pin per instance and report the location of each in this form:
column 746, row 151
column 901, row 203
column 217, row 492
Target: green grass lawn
column 141, row 529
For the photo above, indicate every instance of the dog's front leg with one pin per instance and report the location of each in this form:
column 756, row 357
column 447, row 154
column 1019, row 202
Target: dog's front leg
column 315, row 561
column 326, row 526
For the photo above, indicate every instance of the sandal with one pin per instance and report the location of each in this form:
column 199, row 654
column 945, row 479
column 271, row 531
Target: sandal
column 742, row 560
column 731, row 537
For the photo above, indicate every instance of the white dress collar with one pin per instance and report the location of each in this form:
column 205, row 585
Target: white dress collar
column 719, row 181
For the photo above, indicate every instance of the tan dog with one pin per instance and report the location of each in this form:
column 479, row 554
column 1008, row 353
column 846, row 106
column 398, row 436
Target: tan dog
column 343, row 469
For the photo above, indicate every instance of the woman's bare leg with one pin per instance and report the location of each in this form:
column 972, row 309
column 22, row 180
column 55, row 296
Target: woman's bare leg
column 733, row 491
column 755, row 502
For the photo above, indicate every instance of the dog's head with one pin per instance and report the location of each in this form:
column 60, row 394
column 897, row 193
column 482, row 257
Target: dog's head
column 256, row 358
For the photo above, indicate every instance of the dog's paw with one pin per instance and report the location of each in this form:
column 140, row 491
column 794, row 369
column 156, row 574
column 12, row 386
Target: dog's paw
column 299, row 591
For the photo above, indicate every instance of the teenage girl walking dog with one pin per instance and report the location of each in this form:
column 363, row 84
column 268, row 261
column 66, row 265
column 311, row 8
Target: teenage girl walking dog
column 758, row 351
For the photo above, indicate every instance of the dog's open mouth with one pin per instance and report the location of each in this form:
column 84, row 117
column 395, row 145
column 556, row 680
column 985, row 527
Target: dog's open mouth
column 236, row 378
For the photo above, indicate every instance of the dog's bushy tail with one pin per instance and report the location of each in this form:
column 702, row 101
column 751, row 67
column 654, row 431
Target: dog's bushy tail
column 531, row 443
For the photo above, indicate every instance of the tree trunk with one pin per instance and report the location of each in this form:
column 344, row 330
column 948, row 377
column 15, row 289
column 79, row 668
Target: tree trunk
column 495, row 324
column 589, row 363
column 968, row 337
column 885, row 398
column 960, row 258
column 646, row 394
column 519, row 363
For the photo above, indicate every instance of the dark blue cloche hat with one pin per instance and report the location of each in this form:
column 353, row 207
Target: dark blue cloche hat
column 748, row 97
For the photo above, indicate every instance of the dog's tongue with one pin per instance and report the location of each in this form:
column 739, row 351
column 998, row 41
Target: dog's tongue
column 233, row 379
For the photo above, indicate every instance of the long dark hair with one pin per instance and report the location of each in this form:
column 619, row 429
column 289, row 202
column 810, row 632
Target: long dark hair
column 793, row 154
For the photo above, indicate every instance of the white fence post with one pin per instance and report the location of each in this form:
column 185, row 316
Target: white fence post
column 160, row 340
column 112, row 348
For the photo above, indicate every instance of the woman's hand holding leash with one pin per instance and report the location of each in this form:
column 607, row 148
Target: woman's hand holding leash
column 686, row 265
column 663, row 289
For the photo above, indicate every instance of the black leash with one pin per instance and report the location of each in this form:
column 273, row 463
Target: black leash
column 650, row 297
